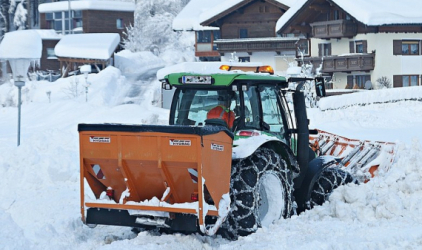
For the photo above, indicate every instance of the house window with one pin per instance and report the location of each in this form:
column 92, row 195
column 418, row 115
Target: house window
column 410, row 48
column 216, row 36
column 203, row 36
column 119, row 23
column 302, row 48
column 244, row 59
column 361, row 80
column 49, row 16
column 243, row 33
column 357, row 81
column 51, row 54
column 77, row 14
column 406, row 47
column 410, row 80
column 359, row 46
column 60, row 22
column 336, row 15
column 324, row 49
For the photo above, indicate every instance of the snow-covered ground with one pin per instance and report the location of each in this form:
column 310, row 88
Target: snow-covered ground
column 39, row 180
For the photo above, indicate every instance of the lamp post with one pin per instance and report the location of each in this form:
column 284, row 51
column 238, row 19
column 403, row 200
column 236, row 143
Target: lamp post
column 19, row 84
column 20, row 48
column 86, row 69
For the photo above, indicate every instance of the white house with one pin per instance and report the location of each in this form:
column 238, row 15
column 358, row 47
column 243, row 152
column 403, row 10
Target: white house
column 360, row 41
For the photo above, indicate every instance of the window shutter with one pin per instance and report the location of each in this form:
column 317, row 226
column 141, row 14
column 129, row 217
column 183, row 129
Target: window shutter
column 397, row 47
column 329, row 49
column 320, row 50
column 420, row 47
column 349, row 82
column 365, row 46
column 397, row 81
column 352, row 46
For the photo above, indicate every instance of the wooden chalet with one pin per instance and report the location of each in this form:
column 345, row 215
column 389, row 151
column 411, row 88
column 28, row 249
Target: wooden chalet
column 247, row 25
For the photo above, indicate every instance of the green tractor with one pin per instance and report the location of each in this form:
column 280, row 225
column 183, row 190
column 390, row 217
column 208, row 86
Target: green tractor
column 274, row 172
column 234, row 158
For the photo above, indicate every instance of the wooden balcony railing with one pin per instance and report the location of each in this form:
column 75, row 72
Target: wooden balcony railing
column 250, row 45
column 334, row 29
column 344, row 63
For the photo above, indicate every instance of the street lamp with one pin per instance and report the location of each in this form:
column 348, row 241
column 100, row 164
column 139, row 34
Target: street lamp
column 19, row 69
column 20, row 48
column 86, row 69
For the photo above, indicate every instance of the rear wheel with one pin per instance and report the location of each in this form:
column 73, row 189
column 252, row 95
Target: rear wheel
column 261, row 191
column 330, row 179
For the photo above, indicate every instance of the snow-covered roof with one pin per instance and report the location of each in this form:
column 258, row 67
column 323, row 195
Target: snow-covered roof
column 48, row 34
column 88, row 46
column 188, row 18
column 225, row 5
column 372, row 13
column 87, row 5
column 21, row 44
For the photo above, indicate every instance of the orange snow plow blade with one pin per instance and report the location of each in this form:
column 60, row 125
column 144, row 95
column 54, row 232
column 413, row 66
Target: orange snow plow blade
column 152, row 173
column 362, row 158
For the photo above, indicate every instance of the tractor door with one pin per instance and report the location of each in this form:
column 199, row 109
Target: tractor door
column 272, row 116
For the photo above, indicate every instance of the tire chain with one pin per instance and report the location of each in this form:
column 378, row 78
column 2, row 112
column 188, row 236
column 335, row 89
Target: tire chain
column 244, row 195
column 331, row 178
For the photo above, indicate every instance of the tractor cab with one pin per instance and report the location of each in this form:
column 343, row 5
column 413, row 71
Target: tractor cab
column 253, row 99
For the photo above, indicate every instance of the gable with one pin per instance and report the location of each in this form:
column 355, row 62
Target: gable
column 250, row 10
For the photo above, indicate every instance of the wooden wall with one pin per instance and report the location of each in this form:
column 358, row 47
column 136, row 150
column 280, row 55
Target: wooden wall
column 48, row 64
column 95, row 21
column 259, row 18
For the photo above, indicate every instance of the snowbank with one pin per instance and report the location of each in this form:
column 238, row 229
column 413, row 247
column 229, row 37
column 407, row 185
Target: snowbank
column 371, row 97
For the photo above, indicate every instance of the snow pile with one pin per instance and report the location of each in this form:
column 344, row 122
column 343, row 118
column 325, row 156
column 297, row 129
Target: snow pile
column 371, row 97
column 106, row 88
column 388, row 196
column 138, row 63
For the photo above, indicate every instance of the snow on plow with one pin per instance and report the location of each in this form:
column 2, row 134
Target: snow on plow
column 155, row 176
column 362, row 158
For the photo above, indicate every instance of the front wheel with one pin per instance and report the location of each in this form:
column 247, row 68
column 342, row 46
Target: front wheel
column 261, row 189
column 329, row 179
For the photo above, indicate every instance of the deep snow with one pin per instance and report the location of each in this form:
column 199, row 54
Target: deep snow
column 39, row 187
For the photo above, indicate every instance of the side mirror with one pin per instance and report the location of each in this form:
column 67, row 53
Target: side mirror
column 320, row 86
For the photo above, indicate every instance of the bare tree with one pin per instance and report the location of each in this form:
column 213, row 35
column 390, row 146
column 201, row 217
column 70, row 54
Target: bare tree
column 384, row 82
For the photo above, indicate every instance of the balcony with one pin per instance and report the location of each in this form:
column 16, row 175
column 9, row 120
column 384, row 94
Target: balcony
column 334, row 29
column 250, row 45
column 344, row 63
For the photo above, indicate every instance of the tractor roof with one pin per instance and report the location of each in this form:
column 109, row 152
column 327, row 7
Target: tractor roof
column 222, row 79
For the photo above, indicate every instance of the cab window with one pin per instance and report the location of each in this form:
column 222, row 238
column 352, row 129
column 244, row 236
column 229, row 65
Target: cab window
column 271, row 111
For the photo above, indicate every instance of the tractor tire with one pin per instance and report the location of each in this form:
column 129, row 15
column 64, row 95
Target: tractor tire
column 330, row 179
column 261, row 192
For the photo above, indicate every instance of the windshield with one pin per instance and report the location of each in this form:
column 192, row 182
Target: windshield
column 192, row 106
